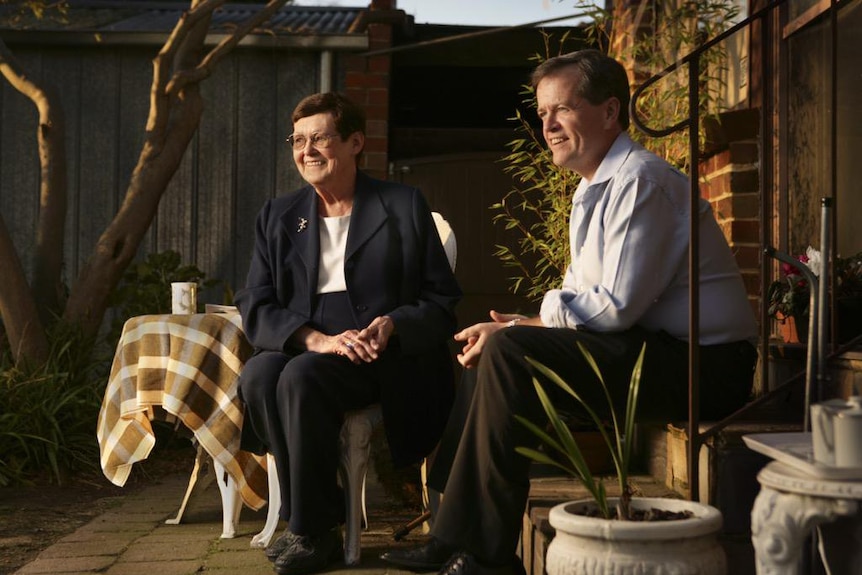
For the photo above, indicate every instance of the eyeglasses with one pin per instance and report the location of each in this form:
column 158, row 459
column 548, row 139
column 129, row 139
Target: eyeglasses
column 319, row 141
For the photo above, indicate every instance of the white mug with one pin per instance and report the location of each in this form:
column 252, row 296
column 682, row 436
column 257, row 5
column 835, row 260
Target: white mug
column 836, row 432
column 184, row 297
column 848, row 435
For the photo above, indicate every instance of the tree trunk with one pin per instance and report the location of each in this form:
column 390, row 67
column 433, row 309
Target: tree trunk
column 48, row 259
column 24, row 331
column 175, row 111
column 632, row 24
column 25, row 311
column 119, row 243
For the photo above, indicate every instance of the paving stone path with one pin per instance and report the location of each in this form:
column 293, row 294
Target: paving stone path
column 133, row 539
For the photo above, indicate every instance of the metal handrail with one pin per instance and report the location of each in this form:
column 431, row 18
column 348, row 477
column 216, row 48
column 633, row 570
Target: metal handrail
column 692, row 57
column 692, row 60
column 814, row 335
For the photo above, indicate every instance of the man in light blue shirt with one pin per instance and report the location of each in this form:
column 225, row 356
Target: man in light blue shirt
column 629, row 255
column 627, row 286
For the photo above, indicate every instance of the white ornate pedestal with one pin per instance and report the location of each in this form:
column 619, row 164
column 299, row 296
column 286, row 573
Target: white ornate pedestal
column 789, row 505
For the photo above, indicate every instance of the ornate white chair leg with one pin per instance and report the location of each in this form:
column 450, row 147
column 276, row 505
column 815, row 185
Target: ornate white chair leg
column 263, row 538
column 355, row 450
column 231, row 502
column 200, row 459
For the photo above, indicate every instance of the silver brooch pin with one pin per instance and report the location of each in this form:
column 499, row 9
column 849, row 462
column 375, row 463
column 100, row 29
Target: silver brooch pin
column 303, row 223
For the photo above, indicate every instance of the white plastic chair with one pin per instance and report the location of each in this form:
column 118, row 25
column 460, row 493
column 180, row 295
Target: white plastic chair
column 231, row 501
column 355, row 441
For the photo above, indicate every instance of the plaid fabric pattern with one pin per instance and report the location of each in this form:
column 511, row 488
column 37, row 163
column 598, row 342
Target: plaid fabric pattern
column 188, row 365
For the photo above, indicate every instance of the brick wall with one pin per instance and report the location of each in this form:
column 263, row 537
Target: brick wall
column 367, row 84
column 730, row 181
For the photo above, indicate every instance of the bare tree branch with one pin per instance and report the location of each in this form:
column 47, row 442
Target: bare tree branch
column 175, row 111
column 173, row 119
column 205, row 68
column 48, row 256
column 163, row 68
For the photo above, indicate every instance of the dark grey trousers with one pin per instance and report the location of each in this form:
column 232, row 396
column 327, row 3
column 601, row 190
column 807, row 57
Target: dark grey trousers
column 488, row 482
column 296, row 407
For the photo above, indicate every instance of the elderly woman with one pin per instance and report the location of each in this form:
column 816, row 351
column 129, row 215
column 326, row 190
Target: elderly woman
column 349, row 301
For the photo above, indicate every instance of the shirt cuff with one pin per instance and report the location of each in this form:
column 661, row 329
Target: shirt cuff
column 554, row 311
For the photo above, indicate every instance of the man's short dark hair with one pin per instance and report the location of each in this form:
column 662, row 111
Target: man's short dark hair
column 349, row 117
column 602, row 77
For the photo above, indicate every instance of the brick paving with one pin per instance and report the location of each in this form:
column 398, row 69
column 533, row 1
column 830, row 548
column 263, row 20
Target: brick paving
column 133, row 539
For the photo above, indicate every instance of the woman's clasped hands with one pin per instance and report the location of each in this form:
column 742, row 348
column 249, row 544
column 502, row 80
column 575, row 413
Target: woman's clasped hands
column 365, row 345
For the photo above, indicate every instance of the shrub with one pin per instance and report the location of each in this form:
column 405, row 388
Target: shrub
column 48, row 412
column 146, row 288
column 537, row 207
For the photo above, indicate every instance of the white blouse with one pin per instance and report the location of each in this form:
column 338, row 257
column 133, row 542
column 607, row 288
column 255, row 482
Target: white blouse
column 333, row 243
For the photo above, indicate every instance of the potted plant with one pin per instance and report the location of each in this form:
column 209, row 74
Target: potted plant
column 625, row 534
column 789, row 296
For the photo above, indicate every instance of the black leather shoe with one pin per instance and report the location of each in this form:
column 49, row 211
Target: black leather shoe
column 282, row 542
column 429, row 557
column 466, row 564
column 308, row 554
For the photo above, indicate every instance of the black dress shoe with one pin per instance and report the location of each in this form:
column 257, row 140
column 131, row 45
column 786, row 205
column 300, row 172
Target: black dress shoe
column 285, row 540
column 429, row 557
column 466, row 564
column 307, row 554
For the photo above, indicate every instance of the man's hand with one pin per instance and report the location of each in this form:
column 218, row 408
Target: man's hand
column 507, row 318
column 476, row 335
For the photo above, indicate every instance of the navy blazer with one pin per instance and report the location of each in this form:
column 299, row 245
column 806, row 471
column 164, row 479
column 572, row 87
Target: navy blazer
column 394, row 265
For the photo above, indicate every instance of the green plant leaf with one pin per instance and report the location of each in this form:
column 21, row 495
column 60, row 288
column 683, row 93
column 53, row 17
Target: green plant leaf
column 631, row 408
column 541, row 457
column 620, row 446
column 557, row 380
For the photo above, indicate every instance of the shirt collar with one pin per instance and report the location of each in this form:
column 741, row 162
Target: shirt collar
column 611, row 163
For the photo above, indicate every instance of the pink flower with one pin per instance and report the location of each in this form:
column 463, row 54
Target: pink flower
column 790, row 270
column 811, row 258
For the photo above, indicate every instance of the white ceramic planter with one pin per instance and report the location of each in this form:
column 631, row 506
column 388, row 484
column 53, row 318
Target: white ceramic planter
column 591, row 546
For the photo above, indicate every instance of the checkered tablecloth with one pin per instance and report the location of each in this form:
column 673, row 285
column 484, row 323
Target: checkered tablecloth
column 189, row 365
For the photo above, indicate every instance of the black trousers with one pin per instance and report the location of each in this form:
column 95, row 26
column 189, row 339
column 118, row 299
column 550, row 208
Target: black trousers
column 294, row 407
column 487, row 487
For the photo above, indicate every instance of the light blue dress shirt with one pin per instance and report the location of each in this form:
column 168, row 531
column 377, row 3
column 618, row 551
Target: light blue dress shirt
column 629, row 237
